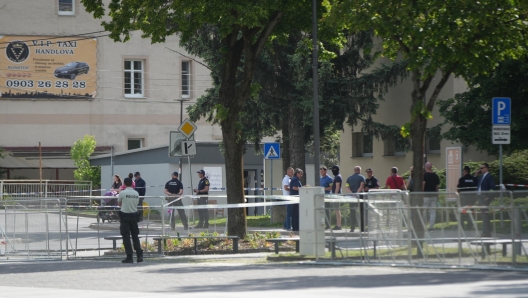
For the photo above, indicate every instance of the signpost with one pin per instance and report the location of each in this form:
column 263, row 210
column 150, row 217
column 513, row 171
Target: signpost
column 271, row 152
column 181, row 143
column 501, row 121
column 453, row 168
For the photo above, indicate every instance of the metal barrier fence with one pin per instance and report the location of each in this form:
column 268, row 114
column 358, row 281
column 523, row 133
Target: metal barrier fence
column 32, row 229
column 467, row 229
column 44, row 188
column 396, row 227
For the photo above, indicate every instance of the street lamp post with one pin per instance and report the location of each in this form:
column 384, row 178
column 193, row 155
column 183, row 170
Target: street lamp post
column 315, row 92
column 181, row 100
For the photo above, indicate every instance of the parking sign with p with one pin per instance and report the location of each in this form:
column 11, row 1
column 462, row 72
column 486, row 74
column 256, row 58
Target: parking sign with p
column 501, row 111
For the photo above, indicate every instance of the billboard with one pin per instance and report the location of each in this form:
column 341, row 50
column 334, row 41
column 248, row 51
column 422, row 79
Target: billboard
column 48, row 67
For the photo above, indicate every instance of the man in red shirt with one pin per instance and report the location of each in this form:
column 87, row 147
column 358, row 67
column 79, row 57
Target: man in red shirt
column 395, row 181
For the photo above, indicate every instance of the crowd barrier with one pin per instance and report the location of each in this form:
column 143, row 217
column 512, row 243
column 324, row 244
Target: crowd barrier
column 470, row 229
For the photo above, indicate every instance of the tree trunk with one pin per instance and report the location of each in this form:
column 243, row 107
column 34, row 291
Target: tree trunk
column 234, row 91
column 233, row 154
column 296, row 133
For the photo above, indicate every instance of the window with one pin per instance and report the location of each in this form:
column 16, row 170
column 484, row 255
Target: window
column 361, row 145
column 66, row 7
column 134, row 78
column 394, row 146
column 433, row 145
column 186, row 79
column 134, row 144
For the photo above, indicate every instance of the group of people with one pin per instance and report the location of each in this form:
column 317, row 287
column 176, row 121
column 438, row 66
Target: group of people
column 174, row 189
column 129, row 199
column 357, row 183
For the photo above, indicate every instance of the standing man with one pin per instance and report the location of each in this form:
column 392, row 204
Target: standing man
column 128, row 200
column 355, row 184
column 295, row 185
column 174, row 188
column 203, row 189
column 466, row 183
column 431, row 181
column 336, row 189
column 141, row 189
column 326, row 182
column 371, row 182
column 485, row 183
column 395, row 181
column 286, row 192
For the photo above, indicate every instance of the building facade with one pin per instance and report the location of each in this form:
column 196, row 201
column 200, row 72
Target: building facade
column 62, row 77
column 381, row 154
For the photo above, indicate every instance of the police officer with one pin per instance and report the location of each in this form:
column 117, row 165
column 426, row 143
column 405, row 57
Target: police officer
column 141, row 188
column 173, row 188
column 128, row 200
column 202, row 189
column 467, row 183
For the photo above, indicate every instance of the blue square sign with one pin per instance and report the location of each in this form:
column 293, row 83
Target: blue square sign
column 501, row 111
column 271, row 151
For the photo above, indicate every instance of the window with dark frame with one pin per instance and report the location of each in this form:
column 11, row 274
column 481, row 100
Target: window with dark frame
column 134, row 78
column 361, row 145
column 394, row 146
column 433, row 145
column 186, row 79
column 66, row 7
column 134, row 144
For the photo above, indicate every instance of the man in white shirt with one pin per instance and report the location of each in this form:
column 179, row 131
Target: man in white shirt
column 128, row 200
column 286, row 192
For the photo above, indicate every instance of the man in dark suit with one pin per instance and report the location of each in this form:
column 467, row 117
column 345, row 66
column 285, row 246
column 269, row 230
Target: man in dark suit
column 485, row 183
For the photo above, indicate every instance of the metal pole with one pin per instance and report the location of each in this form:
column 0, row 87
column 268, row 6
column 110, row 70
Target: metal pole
column 500, row 165
column 315, row 93
column 112, row 160
column 500, row 187
column 180, row 159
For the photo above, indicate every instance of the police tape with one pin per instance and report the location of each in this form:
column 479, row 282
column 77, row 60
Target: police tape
column 106, row 189
column 517, row 185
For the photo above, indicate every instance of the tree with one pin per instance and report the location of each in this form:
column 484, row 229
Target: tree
column 469, row 113
column 80, row 153
column 244, row 29
column 438, row 38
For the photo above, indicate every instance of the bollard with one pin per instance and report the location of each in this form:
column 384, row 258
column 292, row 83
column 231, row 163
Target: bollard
column 311, row 221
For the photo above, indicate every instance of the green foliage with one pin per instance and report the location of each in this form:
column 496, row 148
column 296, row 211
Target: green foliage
column 462, row 37
column 469, row 113
column 80, row 153
column 514, row 169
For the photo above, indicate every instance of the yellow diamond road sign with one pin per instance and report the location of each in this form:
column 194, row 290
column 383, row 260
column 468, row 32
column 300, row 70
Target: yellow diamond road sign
column 187, row 128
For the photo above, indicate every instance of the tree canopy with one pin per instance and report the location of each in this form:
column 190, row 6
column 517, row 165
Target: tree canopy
column 244, row 28
column 469, row 113
column 80, row 153
column 437, row 39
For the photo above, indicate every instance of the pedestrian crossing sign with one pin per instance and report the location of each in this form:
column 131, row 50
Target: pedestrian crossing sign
column 272, row 151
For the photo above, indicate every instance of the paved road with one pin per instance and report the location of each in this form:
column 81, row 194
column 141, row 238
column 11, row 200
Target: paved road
column 241, row 276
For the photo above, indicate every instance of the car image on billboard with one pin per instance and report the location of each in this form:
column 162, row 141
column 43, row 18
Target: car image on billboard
column 72, row 70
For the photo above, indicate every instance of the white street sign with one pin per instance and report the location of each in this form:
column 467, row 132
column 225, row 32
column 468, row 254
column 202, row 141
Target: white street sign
column 175, row 143
column 189, row 148
column 500, row 135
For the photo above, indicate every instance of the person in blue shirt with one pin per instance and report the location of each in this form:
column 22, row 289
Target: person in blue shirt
column 295, row 185
column 326, row 182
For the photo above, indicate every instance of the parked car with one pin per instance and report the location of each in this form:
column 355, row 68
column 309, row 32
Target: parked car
column 71, row 70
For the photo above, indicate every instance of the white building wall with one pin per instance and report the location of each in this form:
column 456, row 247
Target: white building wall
column 110, row 117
